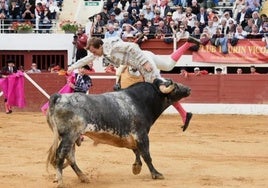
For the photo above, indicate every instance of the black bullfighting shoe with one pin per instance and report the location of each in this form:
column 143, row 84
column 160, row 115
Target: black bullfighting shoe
column 187, row 121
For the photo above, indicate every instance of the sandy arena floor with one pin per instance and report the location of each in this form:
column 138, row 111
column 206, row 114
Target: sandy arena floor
column 216, row 151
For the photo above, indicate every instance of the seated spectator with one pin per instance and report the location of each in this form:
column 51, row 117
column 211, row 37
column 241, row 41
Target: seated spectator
column 111, row 32
column 182, row 33
column 97, row 28
column 34, row 69
column 240, row 33
column 129, row 33
column 54, row 68
column 112, row 19
column 28, row 14
column 125, row 20
column 254, row 34
column 239, row 71
column 14, row 10
column 198, row 72
column 219, row 39
column 148, row 13
column 53, row 8
column 253, row 70
column 142, row 19
column 219, row 71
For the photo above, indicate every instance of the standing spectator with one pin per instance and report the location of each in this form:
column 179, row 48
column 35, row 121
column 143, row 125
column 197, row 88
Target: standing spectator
column 34, row 69
column 38, row 12
column 83, row 81
column 80, row 42
column 9, row 69
column 242, row 16
column 45, row 20
column 164, row 8
column 54, row 9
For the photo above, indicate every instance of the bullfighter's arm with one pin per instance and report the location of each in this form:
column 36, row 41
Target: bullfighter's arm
column 82, row 62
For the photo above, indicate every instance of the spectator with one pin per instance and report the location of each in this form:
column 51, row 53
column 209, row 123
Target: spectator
column 133, row 6
column 242, row 17
column 195, row 7
column 45, row 20
column 83, row 81
column 239, row 71
column 178, row 15
column 28, row 14
column 183, row 72
column 253, row 70
column 125, row 20
column 128, row 33
column 224, row 27
column 142, row 19
column 80, row 42
column 138, row 26
column 239, row 5
column 54, row 68
column 182, row 33
column 155, row 21
column 240, row 33
column 202, row 18
column 216, row 21
column 164, row 8
column 133, row 16
column 54, row 9
column 14, row 10
column 256, row 19
column 104, row 14
column 218, row 39
column 38, row 12
column 148, row 14
column 118, row 14
column 98, row 26
column 198, row 72
column 252, row 5
column 111, row 32
column 7, row 70
column 219, row 71
column 255, row 34
column 34, row 69
column 112, row 19
column 3, row 12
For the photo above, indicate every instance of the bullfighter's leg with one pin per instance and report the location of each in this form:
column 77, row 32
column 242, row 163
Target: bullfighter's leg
column 136, row 167
column 186, row 116
column 143, row 147
column 72, row 162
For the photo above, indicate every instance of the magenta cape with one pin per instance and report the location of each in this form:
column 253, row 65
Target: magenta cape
column 65, row 89
column 13, row 88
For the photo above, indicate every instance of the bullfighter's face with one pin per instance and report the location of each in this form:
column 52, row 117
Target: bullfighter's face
column 96, row 51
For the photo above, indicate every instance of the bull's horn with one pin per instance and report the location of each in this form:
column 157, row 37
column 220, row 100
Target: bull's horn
column 165, row 89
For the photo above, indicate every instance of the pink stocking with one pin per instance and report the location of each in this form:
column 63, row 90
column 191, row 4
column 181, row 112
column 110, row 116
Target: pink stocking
column 180, row 51
column 180, row 109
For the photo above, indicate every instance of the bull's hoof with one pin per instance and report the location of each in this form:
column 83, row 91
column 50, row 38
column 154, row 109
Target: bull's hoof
column 187, row 121
column 136, row 168
column 158, row 176
column 83, row 178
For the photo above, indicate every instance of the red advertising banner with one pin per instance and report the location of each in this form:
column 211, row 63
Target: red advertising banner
column 246, row 51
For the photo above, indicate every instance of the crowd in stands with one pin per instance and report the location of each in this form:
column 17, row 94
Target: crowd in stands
column 163, row 19
column 40, row 13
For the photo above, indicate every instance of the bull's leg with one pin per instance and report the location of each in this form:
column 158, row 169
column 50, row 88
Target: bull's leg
column 72, row 162
column 62, row 151
column 136, row 167
column 143, row 147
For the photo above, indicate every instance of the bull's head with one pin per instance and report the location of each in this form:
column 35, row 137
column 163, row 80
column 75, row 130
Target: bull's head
column 175, row 91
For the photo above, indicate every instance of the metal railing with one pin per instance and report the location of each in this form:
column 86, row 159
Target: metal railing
column 6, row 26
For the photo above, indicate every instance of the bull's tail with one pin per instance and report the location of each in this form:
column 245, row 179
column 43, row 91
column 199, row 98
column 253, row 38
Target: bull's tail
column 51, row 158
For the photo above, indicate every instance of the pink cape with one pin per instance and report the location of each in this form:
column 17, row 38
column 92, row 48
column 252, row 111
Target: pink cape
column 13, row 88
column 65, row 89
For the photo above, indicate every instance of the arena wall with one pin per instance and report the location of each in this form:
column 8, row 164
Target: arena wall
column 211, row 94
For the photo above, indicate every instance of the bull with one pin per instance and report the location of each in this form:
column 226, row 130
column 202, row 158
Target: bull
column 122, row 119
